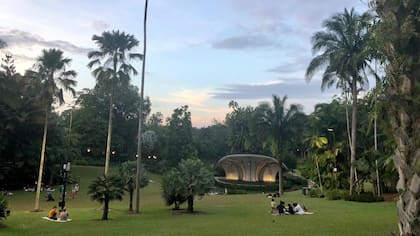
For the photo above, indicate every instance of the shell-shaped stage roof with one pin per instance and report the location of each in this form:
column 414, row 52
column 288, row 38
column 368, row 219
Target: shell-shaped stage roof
column 250, row 167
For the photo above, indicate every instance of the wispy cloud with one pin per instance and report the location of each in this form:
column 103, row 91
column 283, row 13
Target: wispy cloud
column 19, row 38
column 187, row 97
column 299, row 64
column 244, row 42
column 100, row 25
column 296, row 88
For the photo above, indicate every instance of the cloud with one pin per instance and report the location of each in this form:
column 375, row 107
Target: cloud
column 289, row 67
column 294, row 88
column 244, row 42
column 100, row 25
column 187, row 97
column 15, row 37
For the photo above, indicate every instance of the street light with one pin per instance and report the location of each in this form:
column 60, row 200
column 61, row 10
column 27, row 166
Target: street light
column 65, row 173
column 335, row 170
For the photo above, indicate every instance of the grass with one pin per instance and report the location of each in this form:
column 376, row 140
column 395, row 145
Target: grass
column 216, row 215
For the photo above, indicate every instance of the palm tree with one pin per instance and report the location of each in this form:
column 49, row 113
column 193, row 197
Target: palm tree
column 345, row 52
column 52, row 77
column 127, row 171
column 277, row 121
column 106, row 188
column 398, row 34
column 112, row 64
column 138, row 174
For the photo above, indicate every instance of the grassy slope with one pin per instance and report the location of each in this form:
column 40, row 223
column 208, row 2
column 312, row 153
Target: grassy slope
column 217, row 215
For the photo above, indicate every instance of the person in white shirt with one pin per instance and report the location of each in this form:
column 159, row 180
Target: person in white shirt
column 298, row 209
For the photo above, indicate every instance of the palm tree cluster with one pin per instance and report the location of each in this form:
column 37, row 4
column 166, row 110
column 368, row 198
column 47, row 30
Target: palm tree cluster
column 344, row 47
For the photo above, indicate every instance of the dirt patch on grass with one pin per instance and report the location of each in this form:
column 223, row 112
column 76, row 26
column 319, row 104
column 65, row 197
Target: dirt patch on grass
column 390, row 197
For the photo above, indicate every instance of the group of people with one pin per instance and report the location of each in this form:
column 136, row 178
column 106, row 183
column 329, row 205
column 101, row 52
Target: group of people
column 290, row 209
column 62, row 215
column 49, row 196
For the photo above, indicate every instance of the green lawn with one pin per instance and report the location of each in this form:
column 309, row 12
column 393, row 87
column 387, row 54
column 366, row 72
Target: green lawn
column 216, row 215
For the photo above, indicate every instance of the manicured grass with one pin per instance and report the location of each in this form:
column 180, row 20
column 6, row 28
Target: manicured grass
column 216, row 215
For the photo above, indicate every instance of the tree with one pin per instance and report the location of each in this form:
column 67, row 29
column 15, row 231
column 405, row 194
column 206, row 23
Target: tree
column 106, row 188
column 172, row 189
column 237, row 123
column 399, row 34
column 112, row 65
column 52, row 76
column 180, row 141
column 128, row 171
column 277, row 121
column 345, row 51
column 141, row 120
column 190, row 178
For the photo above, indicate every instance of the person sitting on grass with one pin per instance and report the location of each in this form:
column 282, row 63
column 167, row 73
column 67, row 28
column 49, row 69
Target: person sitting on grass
column 290, row 209
column 64, row 215
column 52, row 214
column 299, row 210
column 281, row 208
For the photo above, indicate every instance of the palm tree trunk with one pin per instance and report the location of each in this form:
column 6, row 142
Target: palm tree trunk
column 41, row 163
column 130, row 205
column 319, row 173
column 108, row 139
column 138, row 174
column 280, row 177
column 353, row 133
column 106, row 209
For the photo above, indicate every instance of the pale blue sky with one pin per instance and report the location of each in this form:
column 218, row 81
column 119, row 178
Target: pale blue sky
column 200, row 53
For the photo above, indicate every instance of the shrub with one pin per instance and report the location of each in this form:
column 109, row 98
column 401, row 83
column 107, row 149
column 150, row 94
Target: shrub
column 237, row 191
column 315, row 192
column 363, row 197
column 3, row 207
column 335, row 194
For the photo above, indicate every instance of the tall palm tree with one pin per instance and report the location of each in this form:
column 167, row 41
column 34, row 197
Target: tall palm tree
column 138, row 174
column 53, row 78
column 277, row 121
column 345, row 52
column 111, row 63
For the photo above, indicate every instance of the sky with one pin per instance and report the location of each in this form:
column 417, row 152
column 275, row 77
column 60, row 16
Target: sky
column 199, row 53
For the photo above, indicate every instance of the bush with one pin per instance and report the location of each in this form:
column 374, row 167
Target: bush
column 335, row 194
column 237, row 191
column 3, row 207
column 315, row 192
column 363, row 197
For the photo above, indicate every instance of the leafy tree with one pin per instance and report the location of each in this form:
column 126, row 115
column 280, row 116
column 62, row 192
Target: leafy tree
column 180, row 142
column 344, row 46
column 52, row 77
column 211, row 142
column 106, row 188
column 399, row 37
column 112, row 65
column 190, row 178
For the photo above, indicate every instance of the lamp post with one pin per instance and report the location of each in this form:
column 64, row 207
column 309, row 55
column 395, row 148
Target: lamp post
column 65, row 173
column 335, row 170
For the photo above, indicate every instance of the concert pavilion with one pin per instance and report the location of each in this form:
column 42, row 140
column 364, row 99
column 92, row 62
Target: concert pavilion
column 250, row 168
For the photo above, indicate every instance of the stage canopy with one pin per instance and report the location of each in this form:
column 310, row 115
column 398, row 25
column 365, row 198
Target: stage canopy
column 250, row 167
